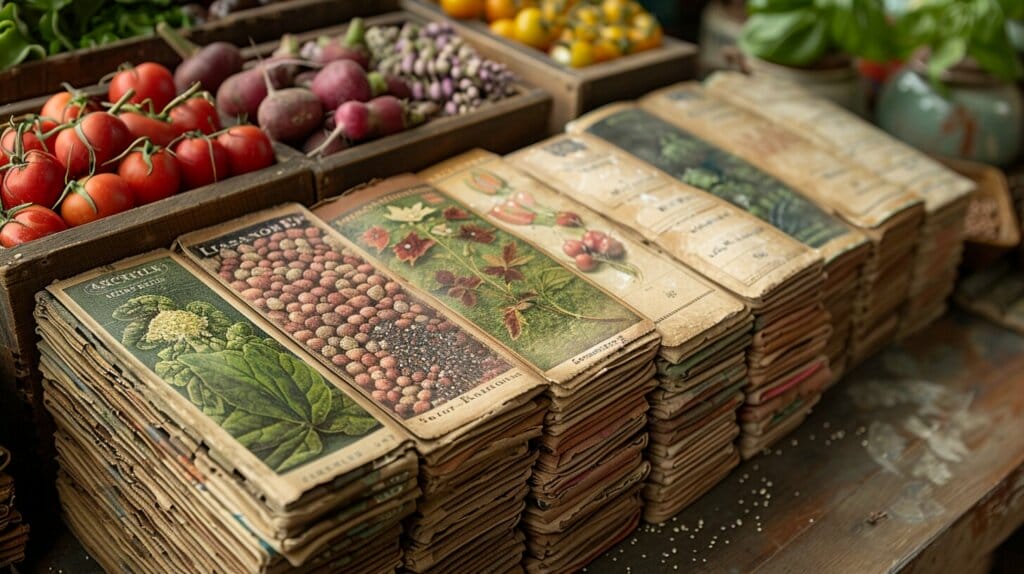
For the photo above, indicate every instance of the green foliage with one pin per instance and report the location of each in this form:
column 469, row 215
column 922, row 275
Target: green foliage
column 46, row 27
column 800, row 32
column 275, row 405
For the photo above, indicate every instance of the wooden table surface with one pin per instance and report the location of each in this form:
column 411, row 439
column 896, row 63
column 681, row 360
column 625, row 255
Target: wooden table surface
column 915, row 461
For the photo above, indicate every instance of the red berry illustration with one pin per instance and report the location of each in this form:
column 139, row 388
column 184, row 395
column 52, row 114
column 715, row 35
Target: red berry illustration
column 585, row 262
column 592, row 239
column 572, row 247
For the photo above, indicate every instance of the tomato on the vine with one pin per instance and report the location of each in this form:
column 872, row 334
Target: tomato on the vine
column 202, row 160
column 151, row 174
column 195, row 114
column 35, row 178
column 95, row 197
column 149, row 80
column 29, row 223
column 141, row 124
column 248, row 148
column 9, row 144
column 105, row 134
column 63, row 107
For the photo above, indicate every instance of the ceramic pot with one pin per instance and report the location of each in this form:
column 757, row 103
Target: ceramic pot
column 971, row 115
column 721, row 24
column 837, row 81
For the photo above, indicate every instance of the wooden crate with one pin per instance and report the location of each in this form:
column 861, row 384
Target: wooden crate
column 502, row 127
column 576, row 91
column 85, row 67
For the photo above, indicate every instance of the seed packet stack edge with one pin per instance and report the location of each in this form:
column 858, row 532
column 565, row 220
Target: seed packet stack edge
column 700, row 230
column 945, row 193
column 594, row 349
column 691, row 313
column 462, row 437
column 195, row 450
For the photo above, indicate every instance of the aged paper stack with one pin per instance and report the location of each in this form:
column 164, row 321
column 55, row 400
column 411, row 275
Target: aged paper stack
column 777, row 277
column 705, row 331
column 191, row 440
column 694, row 161
column 596, row 352
column 887, row 214
column 13, row 533
column 945, row 193
column 471, row 408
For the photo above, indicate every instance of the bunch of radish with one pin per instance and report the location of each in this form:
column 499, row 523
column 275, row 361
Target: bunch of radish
column 321, row 96
column 81, row 159
column 439, row 66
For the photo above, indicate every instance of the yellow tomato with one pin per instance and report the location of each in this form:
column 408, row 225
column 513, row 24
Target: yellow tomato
column 581, row 54
column 614, row 33
column 506, row 28
column 605, row 50
column 645, row 38
column 500, row 9
column 584, row 32
column 530, row 28
column 615, row 11
column 588, row 15
column 463, row 8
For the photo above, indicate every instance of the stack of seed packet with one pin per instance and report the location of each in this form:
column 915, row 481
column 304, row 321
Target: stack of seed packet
column 191, row 439
column 696, row 162
column 596, row 352
column 776, row 276
column 704, row 330
column 945, row 193
column 471, row 408
column 887, row 214
column 13, row 532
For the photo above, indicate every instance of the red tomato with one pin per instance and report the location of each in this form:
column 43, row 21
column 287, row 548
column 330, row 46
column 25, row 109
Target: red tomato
column 150, row 80
column 8, row 144
column 202, row 161
column 195, row 114
column 159, row 131
column 30, row 223
column 105, row 134
column 150, row 176
column 63, row 107
column 38, row 178
column 248, row 148
column 95, row 197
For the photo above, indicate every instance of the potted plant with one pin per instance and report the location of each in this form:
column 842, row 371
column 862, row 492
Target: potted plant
column 813, row 43
column 957, row 97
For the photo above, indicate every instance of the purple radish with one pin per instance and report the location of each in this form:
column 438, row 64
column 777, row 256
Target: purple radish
column 305, row 79
column 242, row 93
column 315, row 141
column 290, row 114
column 398, row 88
column 357, row 121
column 209, row 65
column 339, row 82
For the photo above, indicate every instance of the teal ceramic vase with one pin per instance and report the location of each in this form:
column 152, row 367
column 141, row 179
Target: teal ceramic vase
column 971, row 115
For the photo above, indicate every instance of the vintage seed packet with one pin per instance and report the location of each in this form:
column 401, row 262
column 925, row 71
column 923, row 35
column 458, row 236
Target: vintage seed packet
column 547, row 314
column 217, row 371
column 846, row 133
column 423, row 365
column 832, row 182
column 685, row 307
column 739, row 252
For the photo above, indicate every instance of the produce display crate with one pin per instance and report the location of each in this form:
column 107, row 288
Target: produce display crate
column 501, row 127
column 87, row 66
column 576, row 91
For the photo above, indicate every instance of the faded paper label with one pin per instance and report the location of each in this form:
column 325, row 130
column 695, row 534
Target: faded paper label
column 737, row 251
column 549, row 315
column 218, row 370
column 842, row 187
column 682, row 304
column 845, row 134
column 411, row 358
column 695, row 162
